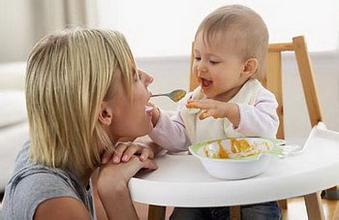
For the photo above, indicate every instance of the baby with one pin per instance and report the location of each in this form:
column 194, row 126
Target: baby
column 230, row 49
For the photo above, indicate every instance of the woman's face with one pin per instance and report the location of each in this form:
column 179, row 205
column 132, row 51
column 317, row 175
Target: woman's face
column 132, row 119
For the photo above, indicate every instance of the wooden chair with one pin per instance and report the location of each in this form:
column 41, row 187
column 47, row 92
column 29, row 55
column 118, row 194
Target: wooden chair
column 273, row 81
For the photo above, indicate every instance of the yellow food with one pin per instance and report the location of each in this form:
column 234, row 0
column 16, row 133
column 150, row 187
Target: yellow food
column 222, row 153
column 238, row 146
column 234, row 148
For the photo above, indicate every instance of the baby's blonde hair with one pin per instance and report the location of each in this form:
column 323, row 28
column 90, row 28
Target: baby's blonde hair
column 68, row 76
column 249, row 32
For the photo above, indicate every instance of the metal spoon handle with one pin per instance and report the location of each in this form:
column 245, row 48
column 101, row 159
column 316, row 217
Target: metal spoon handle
column 161, row 94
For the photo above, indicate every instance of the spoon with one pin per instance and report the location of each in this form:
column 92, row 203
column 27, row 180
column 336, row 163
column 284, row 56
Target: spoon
column 175, row 95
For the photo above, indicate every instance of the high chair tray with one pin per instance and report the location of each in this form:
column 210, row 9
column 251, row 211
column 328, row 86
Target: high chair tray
column 181, row 181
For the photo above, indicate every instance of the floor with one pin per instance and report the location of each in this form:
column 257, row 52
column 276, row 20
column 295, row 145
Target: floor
column 296, row 210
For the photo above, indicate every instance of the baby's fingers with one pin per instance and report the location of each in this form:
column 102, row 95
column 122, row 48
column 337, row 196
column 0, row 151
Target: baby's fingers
column 204, row 114
column 193, row 104
column 208, row 113
column 202, row 104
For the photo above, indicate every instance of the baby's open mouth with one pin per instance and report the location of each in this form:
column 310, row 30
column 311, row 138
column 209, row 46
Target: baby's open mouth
column 205, row 82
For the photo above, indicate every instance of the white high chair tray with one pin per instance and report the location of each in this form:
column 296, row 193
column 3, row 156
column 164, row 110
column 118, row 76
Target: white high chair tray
column 181, row 180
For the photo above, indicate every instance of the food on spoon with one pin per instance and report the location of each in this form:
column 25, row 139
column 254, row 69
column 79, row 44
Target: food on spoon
column 178, row 94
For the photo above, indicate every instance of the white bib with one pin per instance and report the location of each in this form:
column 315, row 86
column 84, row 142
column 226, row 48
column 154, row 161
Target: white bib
column 210, row 128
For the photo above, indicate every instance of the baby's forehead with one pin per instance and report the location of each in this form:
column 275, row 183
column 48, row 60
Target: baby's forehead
column 230, row 40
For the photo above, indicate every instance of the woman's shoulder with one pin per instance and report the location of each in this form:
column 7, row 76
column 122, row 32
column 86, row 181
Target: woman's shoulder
column 33, row 184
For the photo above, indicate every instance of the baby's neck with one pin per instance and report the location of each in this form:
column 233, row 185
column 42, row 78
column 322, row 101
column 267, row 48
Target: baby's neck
column 227, row 96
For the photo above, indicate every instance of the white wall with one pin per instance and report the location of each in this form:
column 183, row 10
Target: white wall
column 172, row 72
column 24, row 22
column 166, row 28
column 16, row 26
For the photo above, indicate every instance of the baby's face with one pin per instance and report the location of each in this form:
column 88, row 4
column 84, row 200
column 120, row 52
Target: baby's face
column 218, row 67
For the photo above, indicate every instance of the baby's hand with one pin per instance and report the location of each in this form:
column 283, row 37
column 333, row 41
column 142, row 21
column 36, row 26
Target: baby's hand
column 125, row 150
column 209, row 108
column 155, row 114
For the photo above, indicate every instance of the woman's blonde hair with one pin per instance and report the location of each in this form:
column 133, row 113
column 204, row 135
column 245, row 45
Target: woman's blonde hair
column 249, row 32
column 68, row 76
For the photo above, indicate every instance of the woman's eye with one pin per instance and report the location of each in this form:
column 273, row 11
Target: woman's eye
column 137, row 76
column 197, row 58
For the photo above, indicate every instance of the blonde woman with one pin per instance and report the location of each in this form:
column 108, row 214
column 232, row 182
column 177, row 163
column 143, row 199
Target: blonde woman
column 84, row 94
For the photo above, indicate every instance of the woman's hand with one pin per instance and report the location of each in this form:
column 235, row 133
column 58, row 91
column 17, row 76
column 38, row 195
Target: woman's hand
column 125, row 150
column 111, row 174
column 111, row 186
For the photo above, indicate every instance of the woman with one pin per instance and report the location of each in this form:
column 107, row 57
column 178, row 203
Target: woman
column 83, row 95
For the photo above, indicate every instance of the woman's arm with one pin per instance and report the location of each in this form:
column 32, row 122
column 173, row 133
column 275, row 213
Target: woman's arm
column 112, row 187
column 66, row 208
column 99, row 207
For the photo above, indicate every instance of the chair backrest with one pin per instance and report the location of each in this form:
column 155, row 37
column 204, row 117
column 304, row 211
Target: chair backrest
column 273, row 78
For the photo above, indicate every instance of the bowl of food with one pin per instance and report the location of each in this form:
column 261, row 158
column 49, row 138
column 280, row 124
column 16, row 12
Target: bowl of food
column 236, row 158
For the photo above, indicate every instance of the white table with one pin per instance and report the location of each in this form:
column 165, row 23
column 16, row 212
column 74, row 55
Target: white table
column 181, row 180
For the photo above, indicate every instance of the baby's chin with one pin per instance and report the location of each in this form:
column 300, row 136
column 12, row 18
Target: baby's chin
column 208, row 95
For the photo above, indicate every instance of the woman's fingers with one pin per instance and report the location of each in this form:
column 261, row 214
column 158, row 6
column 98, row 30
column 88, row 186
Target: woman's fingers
column 125, row 150
column 134, row 148
column 149, row 164
column 106, row 157
column 146, row 153
column 131, row 167
column 130, row 151
column 119, row 151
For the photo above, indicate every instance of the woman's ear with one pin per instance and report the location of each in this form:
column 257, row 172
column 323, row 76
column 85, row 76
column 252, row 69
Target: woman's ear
column 250, row 67
column 105, row 114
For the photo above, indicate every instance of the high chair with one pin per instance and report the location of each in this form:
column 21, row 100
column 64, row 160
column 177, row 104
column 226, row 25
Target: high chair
column 273, row 82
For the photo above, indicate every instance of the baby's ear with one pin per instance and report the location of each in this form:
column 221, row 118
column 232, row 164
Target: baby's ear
column 250, row 67
column 105, row 114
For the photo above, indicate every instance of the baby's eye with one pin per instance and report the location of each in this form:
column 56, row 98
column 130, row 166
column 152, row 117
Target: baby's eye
column 214, row 62
column 197, row 58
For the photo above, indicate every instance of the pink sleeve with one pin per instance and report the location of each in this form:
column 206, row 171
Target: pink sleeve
column 260, row 119
column 170, row 132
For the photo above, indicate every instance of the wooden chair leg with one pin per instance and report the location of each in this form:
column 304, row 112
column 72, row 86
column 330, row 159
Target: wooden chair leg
column 156, row 212
column 282, row 204
column 314, row 207
column 235, row 213
column 336, row 212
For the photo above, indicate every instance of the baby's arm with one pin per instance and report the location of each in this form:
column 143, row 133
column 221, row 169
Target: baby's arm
column 260, row 119
column 216, row 109
column 169, row 132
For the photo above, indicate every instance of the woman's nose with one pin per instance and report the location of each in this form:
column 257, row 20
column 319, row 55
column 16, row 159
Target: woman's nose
column 148, row 79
